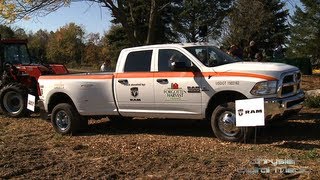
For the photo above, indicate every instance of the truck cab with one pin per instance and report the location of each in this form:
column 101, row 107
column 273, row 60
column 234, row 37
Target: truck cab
column 188, row 80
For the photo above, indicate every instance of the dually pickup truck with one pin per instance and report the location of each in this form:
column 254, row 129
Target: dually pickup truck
column 181, row 81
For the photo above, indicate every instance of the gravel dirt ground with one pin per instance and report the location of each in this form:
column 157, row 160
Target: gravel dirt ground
column 161, row 149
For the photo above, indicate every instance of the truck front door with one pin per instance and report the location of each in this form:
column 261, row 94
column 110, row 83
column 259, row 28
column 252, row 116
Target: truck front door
column 177, row 84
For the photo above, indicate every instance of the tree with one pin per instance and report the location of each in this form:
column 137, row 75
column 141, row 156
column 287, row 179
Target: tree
column 193, row 14
column 38, row 43
column 66, row 44
column 20, row 33
column 6, row 32
column 112, row 43
column 92, row 50
column 10, row 10
column 135, row 16
column 143, row 20
column 305, row 37
column 263, row 21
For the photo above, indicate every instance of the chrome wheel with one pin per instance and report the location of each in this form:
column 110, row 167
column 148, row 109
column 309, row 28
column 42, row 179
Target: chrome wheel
column 227, row 124
column 63, row 121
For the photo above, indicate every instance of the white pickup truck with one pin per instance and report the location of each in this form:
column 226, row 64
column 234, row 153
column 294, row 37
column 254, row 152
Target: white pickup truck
column 184, row 81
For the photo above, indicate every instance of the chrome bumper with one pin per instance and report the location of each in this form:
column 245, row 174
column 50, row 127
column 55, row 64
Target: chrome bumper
column 276, row 107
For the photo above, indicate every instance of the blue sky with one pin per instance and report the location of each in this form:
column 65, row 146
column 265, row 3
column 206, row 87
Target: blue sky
column 93, row 18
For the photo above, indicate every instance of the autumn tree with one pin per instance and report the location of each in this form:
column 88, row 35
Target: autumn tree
column 132, row 15
column 92, row 50
column 113, row 42
column 143, row 21
column 66, row 44
column 20, row 33
column 38, row 43
column 10, row 10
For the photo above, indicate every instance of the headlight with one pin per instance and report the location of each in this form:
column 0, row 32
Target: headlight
column 264, row 88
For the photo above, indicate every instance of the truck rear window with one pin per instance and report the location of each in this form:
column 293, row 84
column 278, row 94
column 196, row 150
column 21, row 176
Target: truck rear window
column 139, row 61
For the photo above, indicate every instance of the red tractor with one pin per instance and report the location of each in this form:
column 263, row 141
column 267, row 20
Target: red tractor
column 19, row 76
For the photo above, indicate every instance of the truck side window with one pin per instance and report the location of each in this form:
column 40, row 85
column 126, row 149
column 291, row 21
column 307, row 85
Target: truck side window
column 138, row 61
column 169, row 56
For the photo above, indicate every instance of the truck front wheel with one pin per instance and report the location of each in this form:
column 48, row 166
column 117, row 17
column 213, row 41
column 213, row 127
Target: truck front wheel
column 66, row 120
column 223, row 123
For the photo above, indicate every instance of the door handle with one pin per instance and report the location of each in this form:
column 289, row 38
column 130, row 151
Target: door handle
column 162, row 81
column 123, row 81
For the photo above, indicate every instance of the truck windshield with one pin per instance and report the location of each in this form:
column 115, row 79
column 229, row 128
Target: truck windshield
column 211, row 56
column 16, row 54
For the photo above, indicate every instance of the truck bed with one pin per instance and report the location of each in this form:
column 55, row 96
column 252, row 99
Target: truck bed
column 92, row 93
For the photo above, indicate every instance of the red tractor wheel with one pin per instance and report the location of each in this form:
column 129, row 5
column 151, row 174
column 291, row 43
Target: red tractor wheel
column 13, row 99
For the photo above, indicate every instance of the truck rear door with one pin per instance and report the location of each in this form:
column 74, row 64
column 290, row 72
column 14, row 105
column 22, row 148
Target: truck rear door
column 134, row 87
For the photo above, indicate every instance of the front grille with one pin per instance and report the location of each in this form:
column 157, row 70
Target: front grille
column 287, row 90
column 289, row 84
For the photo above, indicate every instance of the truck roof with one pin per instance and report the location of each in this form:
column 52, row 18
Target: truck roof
column 168, row 45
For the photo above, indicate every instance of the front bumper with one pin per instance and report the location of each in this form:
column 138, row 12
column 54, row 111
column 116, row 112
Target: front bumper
column 276, row 107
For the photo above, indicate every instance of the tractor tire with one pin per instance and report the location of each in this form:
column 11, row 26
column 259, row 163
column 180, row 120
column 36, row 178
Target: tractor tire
column 66, row 120
column 223, row 123
column 13, row 99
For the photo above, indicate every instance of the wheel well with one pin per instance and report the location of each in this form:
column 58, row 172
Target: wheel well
column 58, row 98
column 222, row 97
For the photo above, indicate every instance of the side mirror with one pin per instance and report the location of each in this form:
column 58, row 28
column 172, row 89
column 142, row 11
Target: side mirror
column 178, row 66
column 182, row 67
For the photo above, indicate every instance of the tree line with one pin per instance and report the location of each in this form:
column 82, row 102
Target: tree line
column 141, row 22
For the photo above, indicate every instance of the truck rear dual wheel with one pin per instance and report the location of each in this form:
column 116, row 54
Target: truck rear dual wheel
column 223, row 123
column 66, row 120
column 14, row 100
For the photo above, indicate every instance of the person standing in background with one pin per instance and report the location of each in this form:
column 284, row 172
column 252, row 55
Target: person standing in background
column 278, row 52
column 236, row 52
column 103, row 67
column 251, row 51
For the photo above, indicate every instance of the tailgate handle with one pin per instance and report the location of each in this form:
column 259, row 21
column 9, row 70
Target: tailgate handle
column 123, row 81
column 162, row 81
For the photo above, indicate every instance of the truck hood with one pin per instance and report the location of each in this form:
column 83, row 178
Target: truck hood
column 265, row 68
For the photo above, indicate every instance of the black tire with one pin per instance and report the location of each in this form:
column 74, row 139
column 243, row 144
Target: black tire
column 66, row 120
column 223, row 123
column 14, row 100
